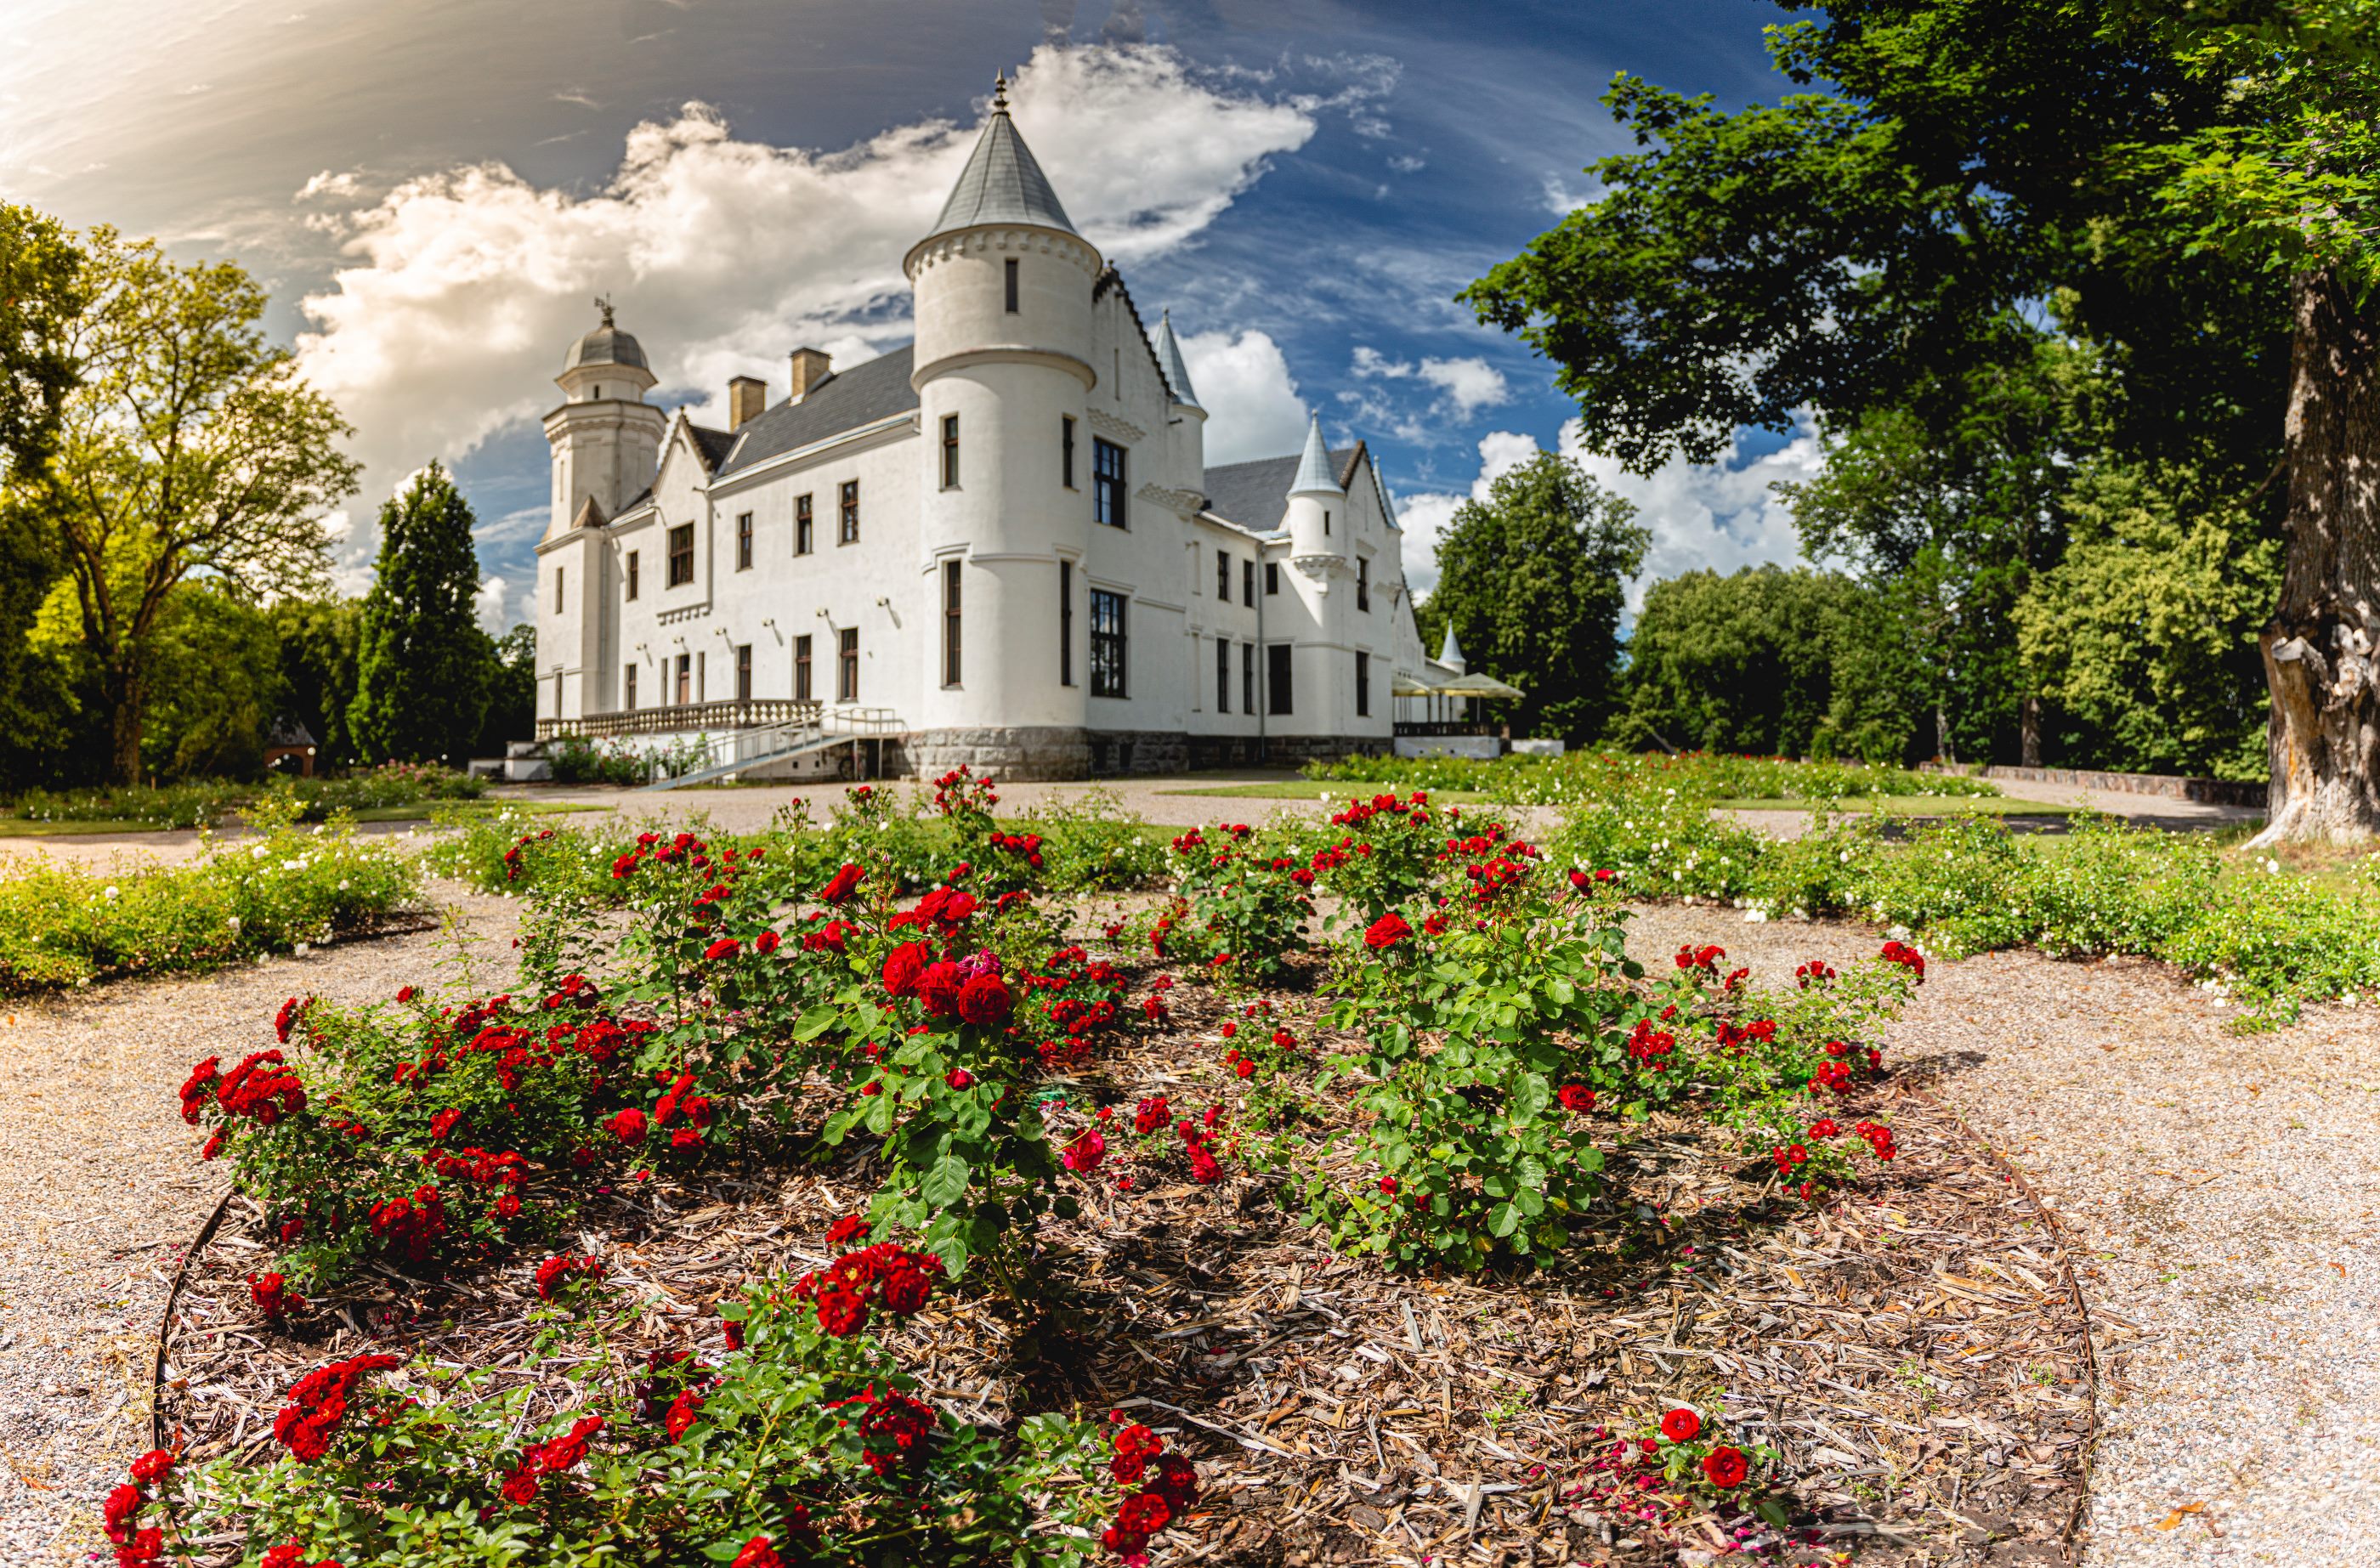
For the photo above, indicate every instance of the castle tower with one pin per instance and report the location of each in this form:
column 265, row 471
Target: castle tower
column 1003, row 289
column 1317, row 506
column 1188, row 446
column 606, row 442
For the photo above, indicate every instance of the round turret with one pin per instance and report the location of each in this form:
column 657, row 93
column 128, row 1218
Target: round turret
column 606, row 363
column 1317, row 504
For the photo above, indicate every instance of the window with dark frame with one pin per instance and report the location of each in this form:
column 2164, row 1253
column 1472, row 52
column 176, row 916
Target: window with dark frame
column 846, row 663
column 1277, row 656
column 1066, row 450
column 805, row 541
column 1249, row 583
column 743, row 671
column 951, row 623
column 1247, row 677
column 684, row 680
column 1011, row 284
column 1222, row 674
column 1065, row 623
column 1362, row 583
column 1107, row 483
column 1326, row 522
column 850, row 509
column 628, row 687
column 950, row 451
column 681, row 555
column 1223, row 578
column 1272, row 577
column 801, row 669
column 1362, row 686
column 557, row 591
column 743, row 541
column 632, row 574
column 1109, row 649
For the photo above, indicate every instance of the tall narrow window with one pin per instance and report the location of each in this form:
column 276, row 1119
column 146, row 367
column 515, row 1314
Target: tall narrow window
column 1326, row 522
column 951, row 623
column 1222, row 674
column 1277, row 677
column 684, row 679
column 628, row 688
column 1012, row 286
column 950, row 451
column 743, row 671
column 1066, row 449
column 804, row 540
column 681, row 555
column 1362, row 686
column 801, row 669
column 850, row 512
column 1110, row 647
column 1272, row 577
column 1247, row 677
column 632, row 574
column 1362, row 583
column 846, row 663
column 1248, row 584
column 743, row 541
column 1107, row 483
column 557, row 591
column 1065, row 623
column 1223, row 578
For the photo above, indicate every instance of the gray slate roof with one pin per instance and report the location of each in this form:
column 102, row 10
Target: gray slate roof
column 714, row 444
column 846, row 400
column 1169, row 360
column 606, row 346
column 1316, row 466
column 1001, row 184
column 1255, row 495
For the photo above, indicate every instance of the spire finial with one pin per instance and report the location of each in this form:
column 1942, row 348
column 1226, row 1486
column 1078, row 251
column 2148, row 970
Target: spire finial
column 605, row 305
column 1000, row 93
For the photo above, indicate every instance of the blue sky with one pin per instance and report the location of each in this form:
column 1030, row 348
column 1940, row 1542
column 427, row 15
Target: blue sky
column 435, row 189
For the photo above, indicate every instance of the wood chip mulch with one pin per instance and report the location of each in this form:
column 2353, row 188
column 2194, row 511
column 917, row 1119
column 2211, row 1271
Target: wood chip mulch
column 1912, row 1349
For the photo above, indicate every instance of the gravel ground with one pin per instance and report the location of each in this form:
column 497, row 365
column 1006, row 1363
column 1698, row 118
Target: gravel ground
column 2220, row 1191
column 104, row 1182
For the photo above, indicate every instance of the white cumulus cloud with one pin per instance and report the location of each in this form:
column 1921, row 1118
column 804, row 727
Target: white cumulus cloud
column 1424, row 517
column 464, row 288
column 1459, row 389
column 1253, row 409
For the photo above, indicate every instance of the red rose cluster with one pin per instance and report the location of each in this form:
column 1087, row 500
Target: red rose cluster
column 1386, row 931
column 513, row 855
column 1879, row 1138
column 411, row 1227
column 319, row 1402
column 1693, row 957
column 1026, row 846
column 138, row 1546
column 1360, row 812
column 960, row 790
column 558, row 1272
column 551, row 1458
column 1908, row 957
column 1817, row 972
column 289, row 1554
column 651, row 848
column 886, row 1276
column 1651, row 1046
column 273, row 1297
column 893, row 1426
column 1169, row 1486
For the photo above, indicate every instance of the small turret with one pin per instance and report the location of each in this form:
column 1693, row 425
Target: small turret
column 606, row 438
column 1317, row 504
column 1450, row 652
column 1188, row 422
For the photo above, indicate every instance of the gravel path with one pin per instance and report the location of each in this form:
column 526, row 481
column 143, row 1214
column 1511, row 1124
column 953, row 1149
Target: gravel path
column 103, row 1185
column 2221, row 1193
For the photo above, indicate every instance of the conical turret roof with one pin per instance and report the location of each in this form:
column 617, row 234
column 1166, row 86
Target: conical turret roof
column 1450, row 652
column 1314, row 473
column 1169, row 360
column 1001, row 183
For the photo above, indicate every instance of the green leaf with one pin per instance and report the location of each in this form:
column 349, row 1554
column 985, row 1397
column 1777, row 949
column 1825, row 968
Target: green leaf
column 1504, row 1220
column 946, row 1182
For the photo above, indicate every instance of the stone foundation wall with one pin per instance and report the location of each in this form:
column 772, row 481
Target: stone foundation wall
column 1057, row 752
column 1044, row 751
column 1279, row 751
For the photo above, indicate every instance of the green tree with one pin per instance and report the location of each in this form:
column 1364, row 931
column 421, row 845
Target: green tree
column 190, row 449
column 217, row 686
column 422, row 665
column 512, row 693
column 1532, row 580
column 1767, row 660
column 2199, row 179
column 317, row 640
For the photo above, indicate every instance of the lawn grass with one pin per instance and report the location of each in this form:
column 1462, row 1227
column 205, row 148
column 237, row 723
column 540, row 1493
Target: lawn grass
column 418, row 811
column 1309, row 789
column 1914, row 806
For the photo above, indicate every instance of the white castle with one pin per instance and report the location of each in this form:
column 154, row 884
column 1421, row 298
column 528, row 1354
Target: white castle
column 1001, row 545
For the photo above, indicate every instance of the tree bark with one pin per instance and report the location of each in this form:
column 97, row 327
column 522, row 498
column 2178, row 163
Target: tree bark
column 2319, row 649
column 127, row 695
column 2028, row 733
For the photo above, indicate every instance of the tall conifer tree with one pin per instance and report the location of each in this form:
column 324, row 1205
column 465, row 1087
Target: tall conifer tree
column 422, row 662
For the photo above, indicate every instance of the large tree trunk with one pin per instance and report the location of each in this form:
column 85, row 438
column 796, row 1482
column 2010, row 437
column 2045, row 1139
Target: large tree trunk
column 127, row 695
column 2319, row 650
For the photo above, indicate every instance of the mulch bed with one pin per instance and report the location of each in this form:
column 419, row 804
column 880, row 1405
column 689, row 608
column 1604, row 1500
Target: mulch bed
column 1913, row 1349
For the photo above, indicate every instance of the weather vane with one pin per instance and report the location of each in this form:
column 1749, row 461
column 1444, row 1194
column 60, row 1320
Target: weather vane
column 605, row 305
column 1000, row 93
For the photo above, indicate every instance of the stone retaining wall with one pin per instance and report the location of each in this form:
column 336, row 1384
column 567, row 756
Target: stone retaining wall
column 2172, row 786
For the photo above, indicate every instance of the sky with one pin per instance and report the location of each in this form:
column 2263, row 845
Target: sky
column 435, row 190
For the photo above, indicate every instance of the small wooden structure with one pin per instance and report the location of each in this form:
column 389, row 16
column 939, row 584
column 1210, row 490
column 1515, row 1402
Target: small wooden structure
column 289, row 748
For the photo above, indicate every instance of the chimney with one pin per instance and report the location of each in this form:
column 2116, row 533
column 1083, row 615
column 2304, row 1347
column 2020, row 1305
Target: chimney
column 746, row 396
column 810, row 371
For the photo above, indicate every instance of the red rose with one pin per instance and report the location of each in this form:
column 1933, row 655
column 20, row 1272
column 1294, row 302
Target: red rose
column 906, row 1287
column 725, row 947
column 629, row 1127
column 405, row 993
column 938, row 988
column 1680, row 1426
column 520, row 1487
column 841, row 1312
column 959, row 1077
column 1725, row 1468
column 766, row 942
column 1577, row 1099
column 984, row 1001
column 756, row 1552
column 847, row 1231
column 1144, row 1513
column 845, row 882
column 904, row 967
column 1386, row 931
column 152, row 1465
column 683, row 1414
